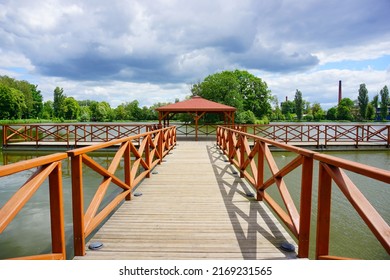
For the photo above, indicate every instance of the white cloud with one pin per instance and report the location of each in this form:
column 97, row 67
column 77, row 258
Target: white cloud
column 123, row 50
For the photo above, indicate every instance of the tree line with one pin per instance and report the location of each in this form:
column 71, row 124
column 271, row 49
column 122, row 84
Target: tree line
column 361, row 109
column 240, row 89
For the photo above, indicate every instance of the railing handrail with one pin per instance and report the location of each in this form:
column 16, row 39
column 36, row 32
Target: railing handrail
column 235, row 144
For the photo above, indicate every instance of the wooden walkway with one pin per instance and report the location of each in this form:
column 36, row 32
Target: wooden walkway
column 194, row 208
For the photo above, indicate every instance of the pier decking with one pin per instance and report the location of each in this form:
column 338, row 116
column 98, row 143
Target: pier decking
column 194, row 206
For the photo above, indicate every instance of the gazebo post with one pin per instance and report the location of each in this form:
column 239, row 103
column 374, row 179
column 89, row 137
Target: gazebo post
column 196, row 126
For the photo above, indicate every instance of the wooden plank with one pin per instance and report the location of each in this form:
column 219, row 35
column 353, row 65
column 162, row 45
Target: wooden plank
column 195, row 207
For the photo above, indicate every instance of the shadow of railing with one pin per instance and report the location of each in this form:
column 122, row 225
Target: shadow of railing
column 252, row 223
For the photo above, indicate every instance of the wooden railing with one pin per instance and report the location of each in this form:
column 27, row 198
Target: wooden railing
column 250, row 153
column 322, row 135
column 70, row 135
column 186, row 129
column 137, row 160
column 46, row 167
column 138, row 163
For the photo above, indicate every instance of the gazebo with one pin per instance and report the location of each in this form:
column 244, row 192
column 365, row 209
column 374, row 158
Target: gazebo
column 197, row 107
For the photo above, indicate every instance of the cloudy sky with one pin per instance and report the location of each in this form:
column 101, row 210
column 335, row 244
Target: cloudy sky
column 152, row 50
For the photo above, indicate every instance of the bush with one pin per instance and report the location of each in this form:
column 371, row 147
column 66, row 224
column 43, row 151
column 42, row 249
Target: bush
column 246, row 117
column 308, row 117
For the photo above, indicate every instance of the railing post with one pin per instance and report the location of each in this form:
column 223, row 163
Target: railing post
column 127, row 159
column 231, row 146
column 5, row 131
column 260, row 171
column 242, row 155
column 388, row 136
column 323, row 215
column 160, row 144
column 147, row 154
column 57, row 211
column 78, row 206
column 357, row 136
column 326, row 135
column 36, row 136
column 305, row 207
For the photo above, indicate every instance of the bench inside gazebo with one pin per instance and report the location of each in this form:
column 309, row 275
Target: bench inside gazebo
column 197, row 107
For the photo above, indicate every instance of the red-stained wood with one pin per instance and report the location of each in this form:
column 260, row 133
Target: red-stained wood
column 305, row 207
column 57, row 212
column 323, row 212
column 366, row 211
column 331, row 168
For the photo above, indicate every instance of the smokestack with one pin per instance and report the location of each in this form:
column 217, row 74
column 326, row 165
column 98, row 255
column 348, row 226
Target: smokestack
column 340, row 92
column 286, row 98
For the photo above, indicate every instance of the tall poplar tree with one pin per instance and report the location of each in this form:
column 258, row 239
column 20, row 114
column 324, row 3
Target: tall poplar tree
column 384, row 93
column 363, row 101
column 58, row 104
column 298, row 104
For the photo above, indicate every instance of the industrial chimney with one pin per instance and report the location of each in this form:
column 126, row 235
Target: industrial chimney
column 340, row 92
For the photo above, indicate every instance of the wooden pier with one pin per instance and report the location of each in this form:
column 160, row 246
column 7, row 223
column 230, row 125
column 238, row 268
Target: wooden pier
column 196, row 199
column 194, row 206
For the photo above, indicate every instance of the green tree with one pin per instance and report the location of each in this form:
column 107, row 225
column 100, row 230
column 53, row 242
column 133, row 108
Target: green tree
column 331, row 114
column 120, row 113
column 288, row 107
column 238, row 89
column 85, row 114
column 48, row 110
column 344, row 109
column 246, row 117
column 317, row 111
column 298, row 104
column 375, row 101
column 58, row 104
column 101, row 111
column 71, row 109
column 11, row 103
column 223, row 88
column 370, row 112
column 133, row 111
column 37, row 102
column 255, row 93
column 363, row 101
column 32, row 97
column 384, row 93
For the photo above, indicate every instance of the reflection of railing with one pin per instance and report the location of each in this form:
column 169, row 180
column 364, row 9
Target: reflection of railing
column 70, row 134
column 251, row 158
column 46, row 167
column 138, row 162
column 325, row 134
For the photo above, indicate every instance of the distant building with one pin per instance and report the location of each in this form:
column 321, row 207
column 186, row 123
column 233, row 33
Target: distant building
column 378, row 114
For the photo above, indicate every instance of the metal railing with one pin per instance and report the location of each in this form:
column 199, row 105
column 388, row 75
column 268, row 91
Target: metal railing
column 250, row 154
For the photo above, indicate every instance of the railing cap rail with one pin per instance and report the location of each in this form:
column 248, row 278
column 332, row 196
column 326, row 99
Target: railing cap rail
column 31, row 163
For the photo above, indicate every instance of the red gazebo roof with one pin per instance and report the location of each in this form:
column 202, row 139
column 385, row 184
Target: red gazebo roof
column 194, row 104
